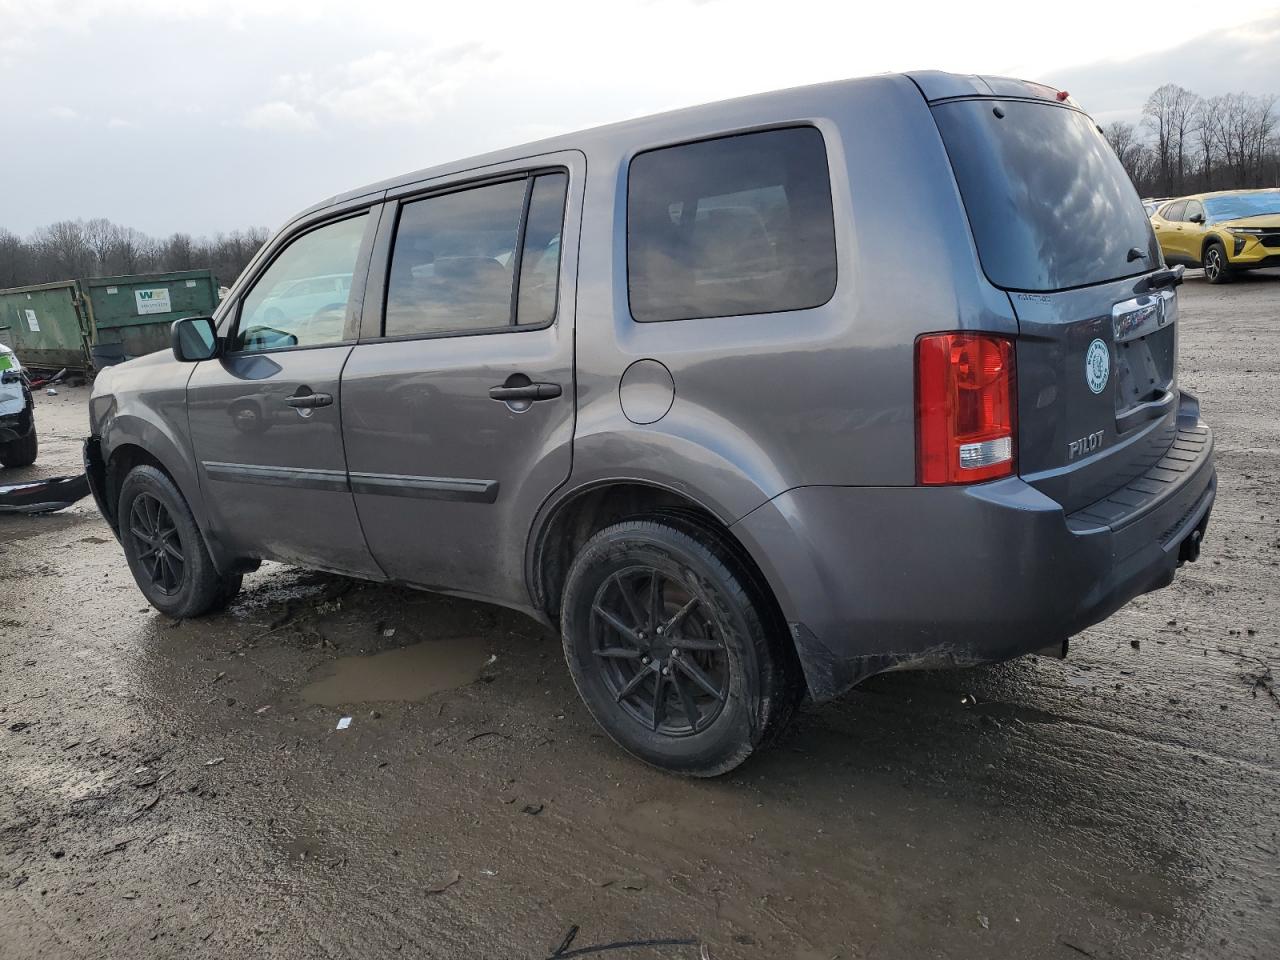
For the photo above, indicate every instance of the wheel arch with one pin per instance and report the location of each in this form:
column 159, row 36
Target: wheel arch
column 131, row 441
column 579, row 513
column 1212, row 238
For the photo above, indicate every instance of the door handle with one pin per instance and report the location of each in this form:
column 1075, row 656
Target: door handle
column 528, row 391
column 308, row 401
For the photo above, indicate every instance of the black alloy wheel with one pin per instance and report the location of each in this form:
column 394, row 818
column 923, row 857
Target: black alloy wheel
column 675, row 644
column 663, row 660
column 165, row 549
column 157, row 543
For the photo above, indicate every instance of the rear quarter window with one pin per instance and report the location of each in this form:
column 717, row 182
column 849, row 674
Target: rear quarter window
column 729, row 226
column 1049, row 204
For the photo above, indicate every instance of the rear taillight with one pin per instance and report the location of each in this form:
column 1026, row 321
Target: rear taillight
column 965, row 407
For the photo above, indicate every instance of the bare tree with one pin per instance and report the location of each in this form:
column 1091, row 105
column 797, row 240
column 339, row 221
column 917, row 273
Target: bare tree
column 15, row 259
column 1207, row 126
column 66, row 248
column 100, row 235
column 178, row 251
column 96, row 248
column 1169, row 114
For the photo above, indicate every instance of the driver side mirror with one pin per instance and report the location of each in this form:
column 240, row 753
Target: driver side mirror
column 195, row 339
column 1196, row 218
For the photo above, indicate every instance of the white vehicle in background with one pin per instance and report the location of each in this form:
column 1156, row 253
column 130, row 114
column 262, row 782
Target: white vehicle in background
column 17, row 413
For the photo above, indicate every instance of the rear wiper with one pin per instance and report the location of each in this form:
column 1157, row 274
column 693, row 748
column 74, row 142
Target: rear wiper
column 1135, row 253
column 1167, row 277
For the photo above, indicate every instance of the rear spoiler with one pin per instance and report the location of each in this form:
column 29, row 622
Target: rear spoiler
column 936, row 86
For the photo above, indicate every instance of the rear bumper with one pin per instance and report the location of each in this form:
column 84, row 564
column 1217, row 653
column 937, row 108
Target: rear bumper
column 887, row 578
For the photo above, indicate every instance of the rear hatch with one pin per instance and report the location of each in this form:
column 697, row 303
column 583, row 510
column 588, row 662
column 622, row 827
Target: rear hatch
column 1059, row 227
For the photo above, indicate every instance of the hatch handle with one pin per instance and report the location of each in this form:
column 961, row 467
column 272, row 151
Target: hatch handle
column 1168, row 277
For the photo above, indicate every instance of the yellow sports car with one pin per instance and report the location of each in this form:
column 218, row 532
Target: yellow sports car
column 1224, row 232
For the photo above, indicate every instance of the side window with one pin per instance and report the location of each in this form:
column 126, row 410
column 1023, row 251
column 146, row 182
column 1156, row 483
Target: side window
column 1173, row 212
column 1194, row 207
column 736, row 225
column 457, row 257
column 540, row 262
column 298, row 301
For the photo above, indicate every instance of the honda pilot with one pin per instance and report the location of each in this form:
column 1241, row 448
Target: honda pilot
column 752, row 401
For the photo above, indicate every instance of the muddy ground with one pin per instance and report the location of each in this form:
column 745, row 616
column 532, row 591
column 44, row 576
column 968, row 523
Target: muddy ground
column 180, row 789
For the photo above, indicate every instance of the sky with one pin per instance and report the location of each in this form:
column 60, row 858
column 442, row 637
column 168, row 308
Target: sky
column 211, row 115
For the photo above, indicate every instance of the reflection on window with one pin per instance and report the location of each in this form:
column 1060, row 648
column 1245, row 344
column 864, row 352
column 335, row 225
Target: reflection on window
column 301, row 299
column 1049, row 204
column 736, row 225
column 454, row 265
column 540, row 266
column 1256, row 204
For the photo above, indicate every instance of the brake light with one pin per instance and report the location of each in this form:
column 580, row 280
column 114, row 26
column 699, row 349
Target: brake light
column 965, row 407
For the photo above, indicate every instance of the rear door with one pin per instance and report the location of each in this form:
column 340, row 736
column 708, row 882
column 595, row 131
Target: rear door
column 1193, row 231
column 1059, row 226
column 458, row 402
column 1169, row 230
column 264, row 416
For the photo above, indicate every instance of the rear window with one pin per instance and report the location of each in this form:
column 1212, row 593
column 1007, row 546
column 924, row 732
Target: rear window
column 1050, row 205
column 735, row 225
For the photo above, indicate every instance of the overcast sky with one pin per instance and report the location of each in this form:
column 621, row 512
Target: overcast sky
column 208, row 115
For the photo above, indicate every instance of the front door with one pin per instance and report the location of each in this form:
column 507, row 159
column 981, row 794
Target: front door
column 265, row 422
column 458, row 409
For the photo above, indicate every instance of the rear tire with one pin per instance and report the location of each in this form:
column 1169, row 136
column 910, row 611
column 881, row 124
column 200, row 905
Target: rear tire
column 165, row 549
column 21, row 452
column 674, row 647
column 1217, row 269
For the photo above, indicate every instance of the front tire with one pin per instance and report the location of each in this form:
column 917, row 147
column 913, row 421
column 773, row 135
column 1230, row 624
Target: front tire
column 1217, row 269
column 165, row 549
column 675, row 648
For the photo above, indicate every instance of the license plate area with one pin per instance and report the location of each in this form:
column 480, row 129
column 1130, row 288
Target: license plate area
column 1146, row 351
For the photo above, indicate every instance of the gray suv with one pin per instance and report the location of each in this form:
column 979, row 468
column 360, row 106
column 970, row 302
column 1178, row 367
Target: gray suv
column 753, row 400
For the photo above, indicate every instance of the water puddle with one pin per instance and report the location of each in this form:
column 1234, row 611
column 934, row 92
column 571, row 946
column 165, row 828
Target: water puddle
column 410, row 673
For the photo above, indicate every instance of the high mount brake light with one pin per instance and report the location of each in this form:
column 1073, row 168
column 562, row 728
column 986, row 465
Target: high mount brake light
column 965, row 408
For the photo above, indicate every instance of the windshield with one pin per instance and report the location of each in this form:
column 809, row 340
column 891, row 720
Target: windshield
column 1050, row 205
column 1242, row 205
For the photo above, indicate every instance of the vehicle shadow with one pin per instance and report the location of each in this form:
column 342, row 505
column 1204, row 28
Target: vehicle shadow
column 971, row 789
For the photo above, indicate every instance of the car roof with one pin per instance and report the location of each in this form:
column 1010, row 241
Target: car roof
column 933, row 85
column 1227, row 193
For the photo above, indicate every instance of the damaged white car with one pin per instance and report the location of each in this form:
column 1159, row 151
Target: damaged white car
column 17, row 413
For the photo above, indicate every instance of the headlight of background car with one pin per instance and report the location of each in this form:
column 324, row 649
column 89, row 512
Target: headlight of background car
column 1242, row 235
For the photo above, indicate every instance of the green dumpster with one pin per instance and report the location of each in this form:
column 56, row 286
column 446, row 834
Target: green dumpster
column 91, row 323
column 44, row 326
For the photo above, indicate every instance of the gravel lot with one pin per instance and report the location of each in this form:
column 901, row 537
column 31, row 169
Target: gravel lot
column 179, row 788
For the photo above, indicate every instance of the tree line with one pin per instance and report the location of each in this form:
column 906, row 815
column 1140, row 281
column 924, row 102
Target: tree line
column 1186, row 143
column 72, row 249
